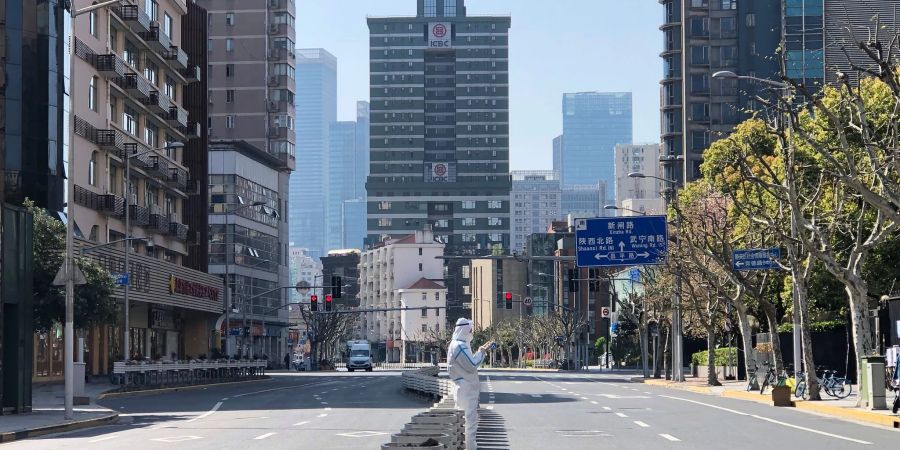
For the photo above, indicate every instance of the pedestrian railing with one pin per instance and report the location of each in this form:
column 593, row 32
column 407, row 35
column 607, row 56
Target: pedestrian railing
column 161, row 374
column 427, row 382
column 395, row 366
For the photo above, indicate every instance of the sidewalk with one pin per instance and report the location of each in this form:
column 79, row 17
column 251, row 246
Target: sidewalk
column 48, row 409
column 840, row 409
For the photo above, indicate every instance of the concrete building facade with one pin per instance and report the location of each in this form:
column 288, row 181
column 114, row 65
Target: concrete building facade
column 424, row 323
column 439, row 87
column 643, row 195
column 491, row 279
column 536, row 201
column 583, row 200
column 393, row 265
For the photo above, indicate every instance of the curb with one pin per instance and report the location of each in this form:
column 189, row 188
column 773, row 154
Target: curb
column 814, row 407
column 58, row 428
column 117, row 394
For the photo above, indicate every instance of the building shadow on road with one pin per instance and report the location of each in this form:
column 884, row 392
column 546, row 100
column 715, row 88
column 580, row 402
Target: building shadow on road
column 491, row 430
column 511, row 398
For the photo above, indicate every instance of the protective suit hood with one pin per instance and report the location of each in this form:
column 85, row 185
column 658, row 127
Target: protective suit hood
column 463, row 331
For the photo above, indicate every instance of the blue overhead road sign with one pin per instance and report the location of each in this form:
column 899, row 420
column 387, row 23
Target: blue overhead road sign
column 621, row 241
column 755, row 259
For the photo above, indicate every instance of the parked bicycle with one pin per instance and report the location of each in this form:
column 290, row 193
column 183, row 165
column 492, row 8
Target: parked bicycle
column 772, row 378
column 837, row 387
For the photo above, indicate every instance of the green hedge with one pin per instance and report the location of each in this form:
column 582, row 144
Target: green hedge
column 816, row 327
column 724, row 357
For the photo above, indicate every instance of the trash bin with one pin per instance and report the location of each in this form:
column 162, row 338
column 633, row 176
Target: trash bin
column 872, row 387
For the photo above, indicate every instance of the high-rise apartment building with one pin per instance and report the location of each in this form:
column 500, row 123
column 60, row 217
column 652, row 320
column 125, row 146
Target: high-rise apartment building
column 702, row 37
column 593, row 123
column 346, row 186
column 557, row 155
column 316, row 113
column 583, row 200
column 440, row 132
column 251, row 79
column 535, row 202
column 638, row 195
column 133, row 82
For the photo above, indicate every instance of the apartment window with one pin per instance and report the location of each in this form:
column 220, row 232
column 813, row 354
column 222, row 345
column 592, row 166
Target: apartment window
column 229, row 19
column 699, row 83
column 467, row 237
column 152, row 9
column 170, row 88
column 727, row 56
column 495, row 237
column 468, row 222
column 229, row 121
column 700, row 55
column 151, row 134
column 495, row 221
column 167, row 25
column 283, row 69
column 424, row 314
column 209, row 45
column 420, row 267
column 113, row 180
column 420, row 251
column 229, row 96
column 131, row 55
column 113, row 40
column 229, row 45
column 699, row 140
column 430, row 8
column 699, row 3
column 150, row 71
column 283, row 18
column 92, row 23
column 437, row 297
column 384, row 222
column 700, row 111
column 449, row 8
column 424, row 327
column 468, row 204
column 728, row 27
column 92, row 169
column 384, row 206
column 171, row 205
column 729, row 4
column 92, row 94
column 495, row 204
column 129, row 120
column 751, row 20
column 229, row 70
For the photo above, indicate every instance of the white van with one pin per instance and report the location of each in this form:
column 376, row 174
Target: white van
column 359, row 356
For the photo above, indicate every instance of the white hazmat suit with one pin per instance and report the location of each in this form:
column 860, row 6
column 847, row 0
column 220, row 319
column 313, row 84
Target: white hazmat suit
column 463, row 370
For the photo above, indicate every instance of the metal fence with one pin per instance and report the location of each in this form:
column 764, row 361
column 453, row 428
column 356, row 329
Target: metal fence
column 396, row 366
column 143, row 375
column 426, row 381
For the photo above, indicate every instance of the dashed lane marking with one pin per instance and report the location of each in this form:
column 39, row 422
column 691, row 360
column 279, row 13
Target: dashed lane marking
column 670, row 437
column 300, row 424
column 322, row 415
column 263, row 436
column 593, row 402
column 606, row 408
column 104, row 438
column 206, row 414
column 621, row 415
column 641, row 424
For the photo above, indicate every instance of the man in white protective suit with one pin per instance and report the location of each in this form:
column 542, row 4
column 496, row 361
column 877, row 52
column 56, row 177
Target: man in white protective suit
column 463, row 369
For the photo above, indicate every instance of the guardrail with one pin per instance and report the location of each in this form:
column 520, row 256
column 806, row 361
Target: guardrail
column 426, row 381
column 442, row 426
column 143, row 375
column 396, row 366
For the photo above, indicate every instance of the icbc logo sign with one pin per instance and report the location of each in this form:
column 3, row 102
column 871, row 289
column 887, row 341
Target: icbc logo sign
column 440, row 170
column 439, row 35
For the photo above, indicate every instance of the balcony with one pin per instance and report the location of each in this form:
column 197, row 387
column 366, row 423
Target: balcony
column 177, row 178
column 281, row 54
column 111, row 205
column 86, row 198
column 131, row 149
column 110, row 140
column 139, row 215
column 158, row 103
column 159, row 222
column 279, row 5
column 135, row 85
column 278, row 29
column 178, row 231
column 279, row 81
column 177, row 116
column 159, row 167
column 176, row 57
column 156, row 39
column 288, row 160
column 134, row 17
column 278, row 132
column 110, row 66
column 191, row 74
column 191, row 130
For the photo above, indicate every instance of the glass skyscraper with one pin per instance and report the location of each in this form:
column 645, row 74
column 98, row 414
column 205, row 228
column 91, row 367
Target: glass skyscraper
column 593, row 123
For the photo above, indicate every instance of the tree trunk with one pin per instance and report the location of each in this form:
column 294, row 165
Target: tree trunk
column 711, row 378
column 746, row 335
column 812, row 382
column 857, row 291
column 772, row 319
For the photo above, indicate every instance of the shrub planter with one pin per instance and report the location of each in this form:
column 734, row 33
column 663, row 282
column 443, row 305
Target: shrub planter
column 781, row 396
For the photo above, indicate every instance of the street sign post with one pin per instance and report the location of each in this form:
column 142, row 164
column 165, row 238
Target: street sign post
column 528, row 302
column 604, row 312
column 755, row 259
column 121, row 279
column 621, row 241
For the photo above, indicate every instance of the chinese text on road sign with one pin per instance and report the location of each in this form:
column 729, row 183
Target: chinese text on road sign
column 755, row 259
column 621, row 241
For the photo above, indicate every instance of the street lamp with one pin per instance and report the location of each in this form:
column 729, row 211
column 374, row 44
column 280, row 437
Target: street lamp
column 126, row 339
column 69, row 263
column 729, row 75
column 622, row 208
column 227, row 306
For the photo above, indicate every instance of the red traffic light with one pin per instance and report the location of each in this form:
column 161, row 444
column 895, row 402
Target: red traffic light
column 509, row 295
column 313, row 298
column 328, row 298
column 313, row 302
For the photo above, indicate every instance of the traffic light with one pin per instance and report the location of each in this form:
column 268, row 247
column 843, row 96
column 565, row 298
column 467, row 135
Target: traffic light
column 328, row 302
column 508, row 300
column 246, row 331
column 336, row 286
column 313, row 302
column 573, row 280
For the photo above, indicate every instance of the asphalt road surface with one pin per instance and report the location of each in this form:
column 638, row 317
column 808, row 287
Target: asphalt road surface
column 520, row 410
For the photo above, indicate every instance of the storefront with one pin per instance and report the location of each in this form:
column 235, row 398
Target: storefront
column 172, row 315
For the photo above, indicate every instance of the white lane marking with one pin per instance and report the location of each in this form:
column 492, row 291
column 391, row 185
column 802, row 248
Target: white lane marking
column 327, row 409
column 281, row 388
column 206, row 414
column 104, row 438
column 706, row 404
column 177, row 439
column 584, row 398
column 641, row 424
column 225, row 399
column 648, row 393
column 322, row 415
column 489, row 407
column 621, row 415
column 798, row 427
column 324, row 403
column 670, row 437
column 299, row 424
column 263, row 436
column 593, row 402
column 606, row 408
column 536, row 395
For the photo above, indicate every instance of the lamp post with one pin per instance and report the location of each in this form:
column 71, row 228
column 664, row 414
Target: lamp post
column 69, row 263
column 126, row 339
column 228, row 249
column 622, row 208
column 671, row 196
column 796, row 333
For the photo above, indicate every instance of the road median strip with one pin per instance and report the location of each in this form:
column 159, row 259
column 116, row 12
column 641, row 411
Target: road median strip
column 854, row 414
column 11, row 436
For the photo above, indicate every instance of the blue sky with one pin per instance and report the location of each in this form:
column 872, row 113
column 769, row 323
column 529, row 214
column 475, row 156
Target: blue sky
column 555, row 47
